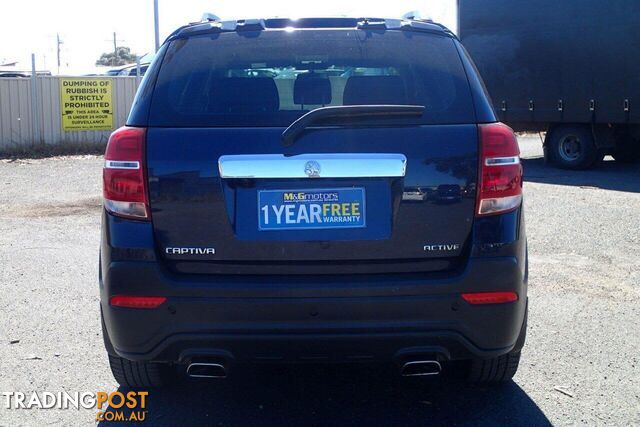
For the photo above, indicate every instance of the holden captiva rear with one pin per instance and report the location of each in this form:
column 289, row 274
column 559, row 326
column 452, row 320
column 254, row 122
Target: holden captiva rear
column 327, row 190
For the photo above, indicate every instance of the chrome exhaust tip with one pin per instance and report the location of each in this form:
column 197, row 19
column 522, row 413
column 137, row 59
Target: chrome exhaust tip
column 419, row 368
column 206, row 370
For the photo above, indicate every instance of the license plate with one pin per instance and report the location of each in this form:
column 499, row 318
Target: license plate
column 311, row 209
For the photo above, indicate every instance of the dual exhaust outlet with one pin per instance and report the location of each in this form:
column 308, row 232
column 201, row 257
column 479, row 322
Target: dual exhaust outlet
column 206, row 370
column 414, row 368
column 420, row 368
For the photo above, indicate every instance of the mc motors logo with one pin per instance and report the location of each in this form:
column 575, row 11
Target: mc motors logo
column 302, row 196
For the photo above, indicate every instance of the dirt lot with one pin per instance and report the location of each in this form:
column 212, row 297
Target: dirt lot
column 580, row 364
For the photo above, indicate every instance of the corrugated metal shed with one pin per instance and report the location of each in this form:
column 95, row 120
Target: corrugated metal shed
column 17, row 128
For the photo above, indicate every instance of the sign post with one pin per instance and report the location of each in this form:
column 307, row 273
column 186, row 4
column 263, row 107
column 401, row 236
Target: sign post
column 86, row 104
column 156, row 25
column 35, row 105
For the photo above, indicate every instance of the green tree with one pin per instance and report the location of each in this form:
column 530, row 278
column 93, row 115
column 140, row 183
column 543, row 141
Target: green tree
column 121, row 56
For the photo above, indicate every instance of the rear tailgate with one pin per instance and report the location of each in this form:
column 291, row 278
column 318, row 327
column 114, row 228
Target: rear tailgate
column 403, row 218
column 232, row 94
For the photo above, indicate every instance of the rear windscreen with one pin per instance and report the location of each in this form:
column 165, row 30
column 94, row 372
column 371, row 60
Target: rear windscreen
column 270, row 78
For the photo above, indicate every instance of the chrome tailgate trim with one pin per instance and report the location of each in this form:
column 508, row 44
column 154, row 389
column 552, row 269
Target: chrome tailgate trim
column 326, row 165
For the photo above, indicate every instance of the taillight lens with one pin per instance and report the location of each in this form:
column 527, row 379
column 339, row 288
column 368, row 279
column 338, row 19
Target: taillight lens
column 124, row 184
column 481, row 298
column 136, row 301
column 500, row 187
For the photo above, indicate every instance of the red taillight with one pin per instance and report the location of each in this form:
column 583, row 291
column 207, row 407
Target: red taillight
column 124, row 184
column 500, row 187
column 136, row 301
column 478, row 298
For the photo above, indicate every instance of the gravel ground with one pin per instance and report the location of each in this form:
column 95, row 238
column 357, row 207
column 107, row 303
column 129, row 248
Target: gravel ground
column 580, row 364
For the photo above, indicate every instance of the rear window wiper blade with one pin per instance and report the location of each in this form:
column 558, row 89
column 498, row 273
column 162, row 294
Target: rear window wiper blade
column 296, row 128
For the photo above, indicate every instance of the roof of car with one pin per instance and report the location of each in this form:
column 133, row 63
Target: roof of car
column 381, row 24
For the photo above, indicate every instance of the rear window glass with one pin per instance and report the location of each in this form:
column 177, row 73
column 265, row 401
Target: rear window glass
column 270, row 78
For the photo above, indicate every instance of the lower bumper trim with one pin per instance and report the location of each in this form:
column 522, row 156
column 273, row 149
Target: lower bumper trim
column 331, row 348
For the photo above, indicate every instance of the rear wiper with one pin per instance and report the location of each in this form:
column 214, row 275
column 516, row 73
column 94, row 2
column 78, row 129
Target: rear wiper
column 296, row 128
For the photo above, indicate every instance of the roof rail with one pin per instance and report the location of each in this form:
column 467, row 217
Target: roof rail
column 212, row 24
column 250, row 25
column 210, row 17
column 414, row 15
column 402, row 24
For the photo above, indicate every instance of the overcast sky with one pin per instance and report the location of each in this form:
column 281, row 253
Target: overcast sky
column 86, row 26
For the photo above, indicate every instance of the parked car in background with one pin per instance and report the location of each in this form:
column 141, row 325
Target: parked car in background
column 13, row 74
column 113, row 72
column 255, row 214
column 129, row 70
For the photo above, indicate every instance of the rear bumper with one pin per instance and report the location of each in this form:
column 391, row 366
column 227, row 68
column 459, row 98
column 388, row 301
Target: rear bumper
column 306, row 318
column 376, row 317
column 335, row 347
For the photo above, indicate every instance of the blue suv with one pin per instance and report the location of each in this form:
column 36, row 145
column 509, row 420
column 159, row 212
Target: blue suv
column 312, row 190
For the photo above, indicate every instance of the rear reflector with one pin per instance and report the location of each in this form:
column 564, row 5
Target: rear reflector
column 136, row 301
column 124, row 185
column 490, row 297
column 500, row 188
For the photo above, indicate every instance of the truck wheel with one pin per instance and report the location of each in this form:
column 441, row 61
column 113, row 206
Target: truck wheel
column 572, row 147
column 140, row 374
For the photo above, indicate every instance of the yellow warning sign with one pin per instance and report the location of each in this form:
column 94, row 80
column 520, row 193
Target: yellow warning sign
column 86, row 104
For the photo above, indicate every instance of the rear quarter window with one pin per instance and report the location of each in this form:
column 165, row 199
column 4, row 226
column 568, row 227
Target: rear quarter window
column 272, row 77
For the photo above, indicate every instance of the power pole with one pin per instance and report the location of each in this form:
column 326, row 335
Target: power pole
column 115, row 49
column 156, row 21
column 58, row 43
column 115, row 41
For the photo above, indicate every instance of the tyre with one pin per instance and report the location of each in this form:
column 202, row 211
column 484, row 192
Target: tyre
column 133, row 374
column 136, row 374
column 495, row 370
column 502, row 368
column 572, row 147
